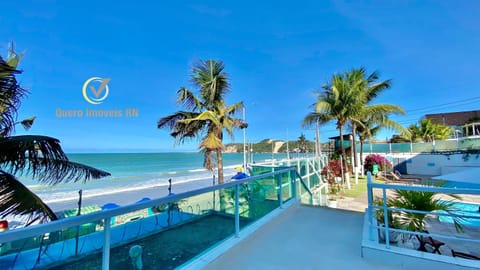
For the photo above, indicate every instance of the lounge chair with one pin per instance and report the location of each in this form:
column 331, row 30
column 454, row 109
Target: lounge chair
column 436, row 244
column 464, row 255
column 398, row 177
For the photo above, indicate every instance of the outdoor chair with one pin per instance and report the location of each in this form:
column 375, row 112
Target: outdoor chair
column 398, row 177
column 436, row 244
column 464, row 255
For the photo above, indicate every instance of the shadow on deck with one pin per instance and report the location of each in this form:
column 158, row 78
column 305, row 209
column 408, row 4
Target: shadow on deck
column 302, row 237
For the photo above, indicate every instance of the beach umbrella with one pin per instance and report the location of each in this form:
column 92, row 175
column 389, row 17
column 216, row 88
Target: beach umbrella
column 145, row 199
column 110, row 206
column 469, row 176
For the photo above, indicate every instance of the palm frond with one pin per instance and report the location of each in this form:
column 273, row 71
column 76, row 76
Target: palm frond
column 10, row 95
column 44, row 159
column 17, row 199
column 180, row 130
column 27, row 123
column 234, row 108
column 203, row 116
column 313, row 118
column 423, row 201
column 212, row 81
column 211, row 141
column 188, row 99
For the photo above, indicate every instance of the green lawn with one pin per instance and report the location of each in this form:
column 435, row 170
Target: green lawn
column 357, row 189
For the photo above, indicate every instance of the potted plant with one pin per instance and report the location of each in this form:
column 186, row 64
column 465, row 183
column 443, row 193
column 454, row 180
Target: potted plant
column 423, row 201
column 392, row 221
column 333, row 174
column 332, row 197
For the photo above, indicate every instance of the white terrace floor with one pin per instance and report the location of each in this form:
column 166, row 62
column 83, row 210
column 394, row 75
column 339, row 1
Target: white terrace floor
column 303, row 237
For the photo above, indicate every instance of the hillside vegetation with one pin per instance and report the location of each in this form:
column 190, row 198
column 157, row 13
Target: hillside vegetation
column 265, row 146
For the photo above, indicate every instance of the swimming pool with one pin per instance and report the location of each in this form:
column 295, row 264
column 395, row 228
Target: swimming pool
column 455, row 184
column 468, row 209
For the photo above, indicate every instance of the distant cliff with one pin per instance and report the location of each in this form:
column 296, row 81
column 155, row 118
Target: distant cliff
column 265, row 146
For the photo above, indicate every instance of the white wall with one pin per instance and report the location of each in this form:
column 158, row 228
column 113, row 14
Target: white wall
column 436, row 164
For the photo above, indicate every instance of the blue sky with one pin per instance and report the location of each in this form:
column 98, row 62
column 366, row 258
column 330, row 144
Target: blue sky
column 277, row 55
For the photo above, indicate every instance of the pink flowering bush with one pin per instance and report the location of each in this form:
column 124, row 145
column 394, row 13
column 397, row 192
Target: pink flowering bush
column 333, row 169
column 376, row 159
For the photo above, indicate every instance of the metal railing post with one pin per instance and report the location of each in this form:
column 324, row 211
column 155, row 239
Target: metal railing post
column 370, row 204
column 385, row 218
column 293, row 181
column 237, row 212
column 106, row 244
column 307, row 165
column 280, row 192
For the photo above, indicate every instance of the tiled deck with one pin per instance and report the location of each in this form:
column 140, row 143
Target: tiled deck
column 302, row 237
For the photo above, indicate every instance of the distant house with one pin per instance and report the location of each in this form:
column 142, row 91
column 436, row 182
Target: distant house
column 465, row 124
column 337, row 143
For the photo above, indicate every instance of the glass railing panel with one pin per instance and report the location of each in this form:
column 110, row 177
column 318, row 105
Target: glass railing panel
column 173, row 233
column 422, row 147
column 400, row 147
column 257, row 170
column 380, row 148
column 263, row 197
column 469, row 144
column 445, row 145
column 54, row 248
column 168, row 234
column 303, row 194
column 287, row 188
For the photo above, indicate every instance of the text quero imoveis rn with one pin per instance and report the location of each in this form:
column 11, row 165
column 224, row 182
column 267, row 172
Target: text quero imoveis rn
column 115, row 113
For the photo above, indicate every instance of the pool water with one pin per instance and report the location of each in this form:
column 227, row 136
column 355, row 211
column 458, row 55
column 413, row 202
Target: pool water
column 455, row 184
column 167, row 249
column 468, row 209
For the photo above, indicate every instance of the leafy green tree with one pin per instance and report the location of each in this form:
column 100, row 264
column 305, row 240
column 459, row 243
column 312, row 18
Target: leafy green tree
column 346, row 99
column 369, row 114
column 207, row 114
column 426, row 131
column 302, row 143
column 40, row 157
column 372, row 121
column 338, row 102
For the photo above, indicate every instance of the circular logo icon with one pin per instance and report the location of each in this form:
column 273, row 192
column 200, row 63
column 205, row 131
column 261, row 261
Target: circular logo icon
column 95, row 90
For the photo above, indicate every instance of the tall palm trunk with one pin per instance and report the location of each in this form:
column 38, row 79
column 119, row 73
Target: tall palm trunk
column 354, row 148
column 361, row 152
column 344, row 155
column 220, row 166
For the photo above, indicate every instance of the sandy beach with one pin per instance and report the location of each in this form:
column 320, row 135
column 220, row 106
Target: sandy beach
column 129, row 197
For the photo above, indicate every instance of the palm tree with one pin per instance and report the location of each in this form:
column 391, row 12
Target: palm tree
column 207, row 114
column 371, row 124
column 314, row 119
column 376, row 114
column 302, row 143
column 426, row 131
column 429, row 131
column 422, row 201
column 40, row 157
column 340, row 102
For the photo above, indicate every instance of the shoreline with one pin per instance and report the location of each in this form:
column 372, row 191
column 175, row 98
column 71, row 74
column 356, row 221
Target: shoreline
column 129, row 197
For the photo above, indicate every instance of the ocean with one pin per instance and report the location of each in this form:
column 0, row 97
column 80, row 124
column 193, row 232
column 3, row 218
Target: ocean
column 137, row 172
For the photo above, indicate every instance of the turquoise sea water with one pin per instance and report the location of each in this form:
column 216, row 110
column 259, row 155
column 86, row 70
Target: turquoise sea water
column 137, row 171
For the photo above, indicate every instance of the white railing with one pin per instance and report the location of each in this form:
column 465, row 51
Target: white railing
column 374, row 227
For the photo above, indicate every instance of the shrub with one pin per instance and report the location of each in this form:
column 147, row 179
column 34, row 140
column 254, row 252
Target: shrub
column 333, row 169
column 372, row 159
